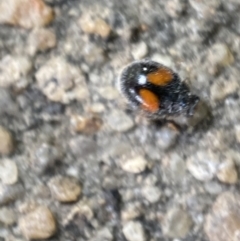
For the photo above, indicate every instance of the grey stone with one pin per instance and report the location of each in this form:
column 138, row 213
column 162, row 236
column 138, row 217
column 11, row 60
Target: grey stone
column 45, row 157
column 203, row 165
column 119, row 121
column 151, row 194
column 7, row 216
column 177, row 223
column 10, row 193
column 12, row 68
column 166, row 137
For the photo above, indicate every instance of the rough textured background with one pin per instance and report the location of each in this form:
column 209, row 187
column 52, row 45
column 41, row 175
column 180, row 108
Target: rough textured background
column 75, row 164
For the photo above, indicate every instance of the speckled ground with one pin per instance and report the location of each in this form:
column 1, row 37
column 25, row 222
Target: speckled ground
column 73, row 155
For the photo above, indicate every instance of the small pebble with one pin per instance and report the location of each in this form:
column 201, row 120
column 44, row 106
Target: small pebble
column 13, row 68
column 213, row 187
column 177, row 167
column 151, row 194
column 216, row 139
column 64, row 189
column 219, row 56
column 163, row 59
column 41, row 191
column 38, row 224
column 199, row 29
column 97, row 108
column 203, row 165
column 81, row 210
column 6, row 140
column 93, row 53
column 7, row 216
column 227, row 172
column 222, row 88
column 177, row 223
column 72, row 171
column 198, row 202
column 223, row 222
column 61, row 81
column 40, row 39
column 25, row 13
column 135, row 164
column 7, row 104
column 8, row 172
column 131, row 211
column 237, row 132
column 83, row 146
column 108, row 92
column 139, row 50
column 150, row 180
column 133, row 231
column 167, row 136
column 86, row 125
column 175, row 8
column 91, row 25
column 119, row 121
column 103, row 234
column 114, row 150
column 10, row 193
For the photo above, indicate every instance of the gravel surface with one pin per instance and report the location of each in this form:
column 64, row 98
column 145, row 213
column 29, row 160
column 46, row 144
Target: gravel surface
column 75, row 163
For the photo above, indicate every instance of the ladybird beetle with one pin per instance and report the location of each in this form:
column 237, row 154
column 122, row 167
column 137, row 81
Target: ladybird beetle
column 156, row 90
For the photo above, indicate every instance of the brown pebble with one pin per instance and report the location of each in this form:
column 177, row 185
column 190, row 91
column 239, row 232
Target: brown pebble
column 223, row 222
column 92, row 25
column 227, row 172
column 237, row 132
column 25, row 13
column 222, row 88
column 64, row 189
column 38, row 224
column 175, row 8
column 131, row 211
column 86, row 125
column 41, row 39
column 219, row 56
column 81, row 210
column 6, row 141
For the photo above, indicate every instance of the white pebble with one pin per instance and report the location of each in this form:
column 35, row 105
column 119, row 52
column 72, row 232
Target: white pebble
column 8, row 172
column 151, row 193
column 139, row 50
column 133, row 231
column 134, row 165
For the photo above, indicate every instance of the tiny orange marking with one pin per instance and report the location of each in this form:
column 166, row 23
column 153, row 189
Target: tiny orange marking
column 150, row 101
column 160, row 77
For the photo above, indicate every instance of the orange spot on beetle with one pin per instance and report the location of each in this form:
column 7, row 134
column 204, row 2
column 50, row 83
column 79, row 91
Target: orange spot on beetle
column 161, row 77
column 150, row 101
